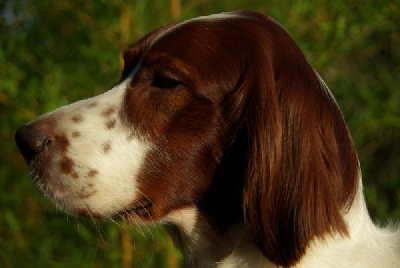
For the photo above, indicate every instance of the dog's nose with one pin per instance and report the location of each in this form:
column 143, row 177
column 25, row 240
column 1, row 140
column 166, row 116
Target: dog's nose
column 31, row 141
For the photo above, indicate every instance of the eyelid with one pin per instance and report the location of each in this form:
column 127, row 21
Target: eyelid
column 164, row 81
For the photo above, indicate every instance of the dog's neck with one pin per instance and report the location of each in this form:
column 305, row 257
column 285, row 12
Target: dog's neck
column 205, row 246
column 366, row 246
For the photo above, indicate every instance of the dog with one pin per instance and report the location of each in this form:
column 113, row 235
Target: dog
column 221, row 130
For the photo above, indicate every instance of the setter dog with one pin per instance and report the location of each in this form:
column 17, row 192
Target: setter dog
column 220, row 128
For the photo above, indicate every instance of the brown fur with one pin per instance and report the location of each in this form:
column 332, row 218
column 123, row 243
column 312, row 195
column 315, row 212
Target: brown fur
column 265, row 102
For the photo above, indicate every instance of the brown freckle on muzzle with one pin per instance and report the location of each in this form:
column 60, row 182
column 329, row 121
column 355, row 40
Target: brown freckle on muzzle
column 92, row 173
column 110, row 123
column 62, row 141
column 77, row 118
column 108, row 112
column 130, row 137
column 92, row 104
column 75, row 134
column 66, row 165
column 106, row 147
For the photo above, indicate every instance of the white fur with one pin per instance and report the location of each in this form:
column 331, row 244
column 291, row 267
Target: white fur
column 114, row 185
column 367, row 246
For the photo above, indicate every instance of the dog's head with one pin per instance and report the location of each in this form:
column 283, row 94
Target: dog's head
column 220, row 113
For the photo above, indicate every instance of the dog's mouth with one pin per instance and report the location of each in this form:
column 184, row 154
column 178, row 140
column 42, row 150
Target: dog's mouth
column 138, row 210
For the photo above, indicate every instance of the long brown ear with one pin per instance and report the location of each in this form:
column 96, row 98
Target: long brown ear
column 302, row 168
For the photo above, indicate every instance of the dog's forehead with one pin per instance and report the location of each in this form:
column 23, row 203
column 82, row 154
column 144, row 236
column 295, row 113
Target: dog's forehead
column 177, row 38
column 194, row 40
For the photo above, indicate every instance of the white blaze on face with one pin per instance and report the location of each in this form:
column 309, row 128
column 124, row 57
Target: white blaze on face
column 97, row 170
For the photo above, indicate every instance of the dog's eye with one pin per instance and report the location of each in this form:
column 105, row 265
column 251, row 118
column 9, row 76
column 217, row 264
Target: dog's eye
column 162, row 81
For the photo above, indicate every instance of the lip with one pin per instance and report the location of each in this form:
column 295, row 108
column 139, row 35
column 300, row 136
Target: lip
column 138, row 209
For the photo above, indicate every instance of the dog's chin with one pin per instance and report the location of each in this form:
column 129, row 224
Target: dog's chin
column 139, row 212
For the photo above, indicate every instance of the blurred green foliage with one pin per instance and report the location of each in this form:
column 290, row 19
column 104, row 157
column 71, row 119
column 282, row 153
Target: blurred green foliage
column 55, row 52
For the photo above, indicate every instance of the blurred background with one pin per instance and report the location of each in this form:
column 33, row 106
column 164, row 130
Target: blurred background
column 54, row 52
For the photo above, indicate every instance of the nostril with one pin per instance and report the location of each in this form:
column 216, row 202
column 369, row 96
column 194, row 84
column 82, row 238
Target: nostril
column 31, row 141
column 47, row 142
